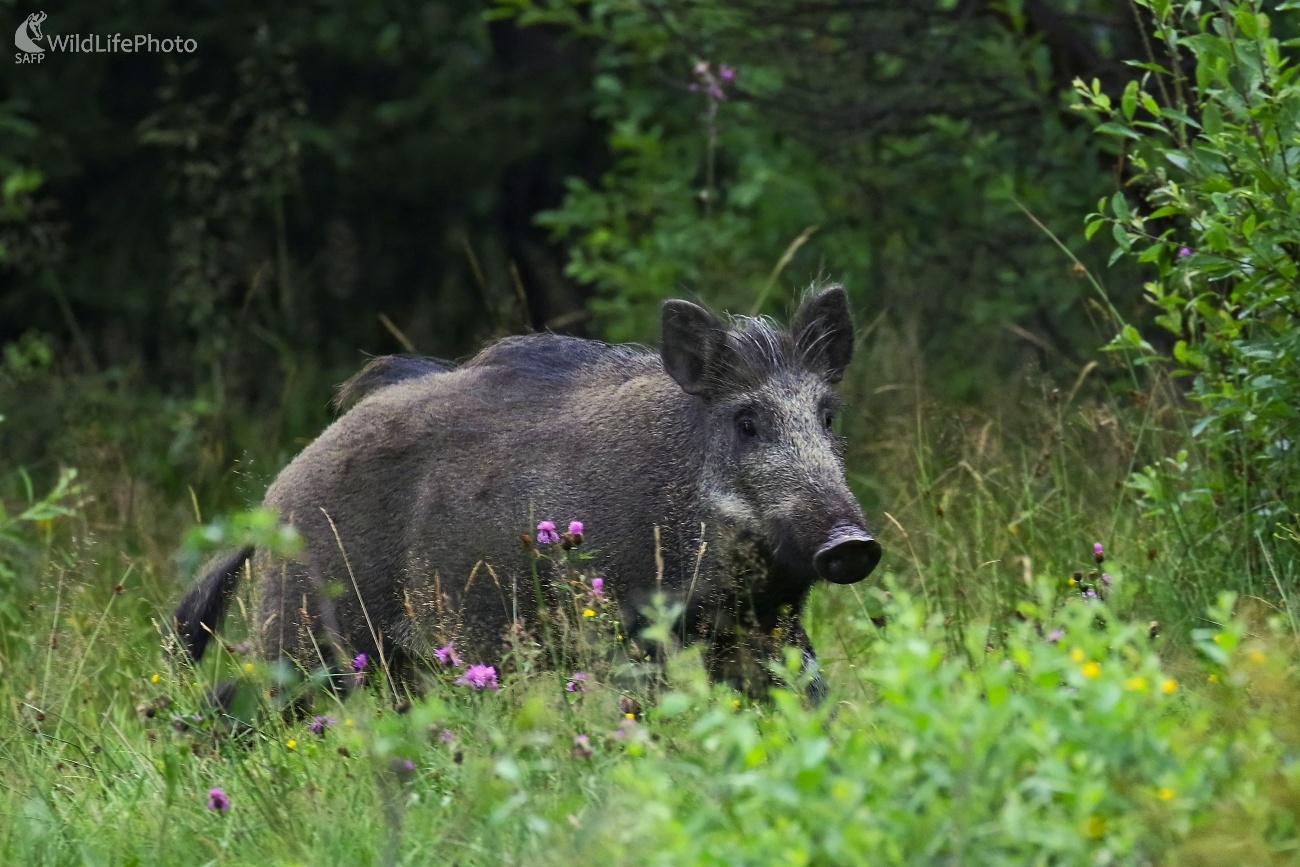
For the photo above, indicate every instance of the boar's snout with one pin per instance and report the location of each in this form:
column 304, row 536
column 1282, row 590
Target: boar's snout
column 848, row 555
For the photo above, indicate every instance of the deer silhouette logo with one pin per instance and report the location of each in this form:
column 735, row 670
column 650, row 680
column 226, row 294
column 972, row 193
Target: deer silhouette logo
column 29, row 30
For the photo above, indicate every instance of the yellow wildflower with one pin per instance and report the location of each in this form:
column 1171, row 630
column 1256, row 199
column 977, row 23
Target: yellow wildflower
column 1218, row 639
column 291, row 744
column 1213, row 678
column 248, row 667
column 348, row 722
column 587, row 612
column 1136, row 684
column 1168, row 685
column 1091, row 669
column 1165, row 793
column 1076, row 655
column 155, row 678
column 1257, row 656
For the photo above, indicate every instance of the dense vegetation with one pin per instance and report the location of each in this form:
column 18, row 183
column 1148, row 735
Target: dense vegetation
column 1070, row 232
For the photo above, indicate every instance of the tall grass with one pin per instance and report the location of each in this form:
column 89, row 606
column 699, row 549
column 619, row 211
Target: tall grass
column 966, row 730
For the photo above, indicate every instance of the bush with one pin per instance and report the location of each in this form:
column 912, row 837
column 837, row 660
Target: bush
column 1214, row 162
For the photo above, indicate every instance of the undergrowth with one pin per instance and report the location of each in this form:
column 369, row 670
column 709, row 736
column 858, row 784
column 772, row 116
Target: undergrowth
column 993, row 699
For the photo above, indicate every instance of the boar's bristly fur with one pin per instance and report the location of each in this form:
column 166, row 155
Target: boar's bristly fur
column 720, row 446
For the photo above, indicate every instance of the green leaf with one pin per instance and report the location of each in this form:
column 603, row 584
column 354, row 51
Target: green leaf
column 1128, row 102
column 1112, row 128
column 1212, row 119
column 1247, row 23
column 1119, row 205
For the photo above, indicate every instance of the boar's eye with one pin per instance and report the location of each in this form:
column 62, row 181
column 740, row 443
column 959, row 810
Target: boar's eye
column 746, row 428
column 828, row 419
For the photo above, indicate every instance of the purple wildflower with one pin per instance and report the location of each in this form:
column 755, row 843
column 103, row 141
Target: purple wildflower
column 408, row 765
column 218, row 801
column 716, row 92
column 479, row 677
column 1098, row 553
column 546, row 534
column 575, row 527
column 1184, row 252
column 1105, row 579
column 578, row 682
column 447, row 655
column 1055, row 635
column 581, row 747
column 320, row 723
column 725, row 72
column 701, row 69
column 625, row 728
column 447, row 736
column 359, row 662
column 692, row 87
column 1089, row 593
column 598, row 587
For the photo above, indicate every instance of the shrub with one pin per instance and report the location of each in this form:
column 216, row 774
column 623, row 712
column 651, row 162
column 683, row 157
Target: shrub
column 1214, row 163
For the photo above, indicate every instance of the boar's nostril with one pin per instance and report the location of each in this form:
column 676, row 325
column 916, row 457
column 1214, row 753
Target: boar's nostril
column 848, row 557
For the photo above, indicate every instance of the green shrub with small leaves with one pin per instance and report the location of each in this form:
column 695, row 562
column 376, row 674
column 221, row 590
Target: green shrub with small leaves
column 1211, row 134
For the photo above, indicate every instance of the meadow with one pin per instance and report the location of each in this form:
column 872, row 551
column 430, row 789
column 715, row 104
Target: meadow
column 994, row 699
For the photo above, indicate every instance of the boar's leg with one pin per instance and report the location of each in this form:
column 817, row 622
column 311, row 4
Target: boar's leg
column 743, row 659
column 298, row 631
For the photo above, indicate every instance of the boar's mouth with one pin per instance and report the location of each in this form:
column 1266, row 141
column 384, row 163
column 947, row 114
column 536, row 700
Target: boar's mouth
column 848, row 555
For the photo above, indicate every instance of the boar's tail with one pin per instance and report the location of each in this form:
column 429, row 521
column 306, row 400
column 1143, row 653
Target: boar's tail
column 202, row 609
column 382, row 372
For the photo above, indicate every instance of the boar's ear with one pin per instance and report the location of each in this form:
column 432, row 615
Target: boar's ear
column 823, row 331
column 690, row 343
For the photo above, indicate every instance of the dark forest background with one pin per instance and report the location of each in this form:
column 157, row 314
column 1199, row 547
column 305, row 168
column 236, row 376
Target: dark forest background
column 196, row 247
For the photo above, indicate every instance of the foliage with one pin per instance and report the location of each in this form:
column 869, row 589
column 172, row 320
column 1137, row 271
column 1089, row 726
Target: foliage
column 1096, row 744
column 889, row 147
column 21, row 536
column 1211, row 143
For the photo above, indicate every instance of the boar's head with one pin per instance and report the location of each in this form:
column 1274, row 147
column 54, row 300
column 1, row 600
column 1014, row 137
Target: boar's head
column 773, row 464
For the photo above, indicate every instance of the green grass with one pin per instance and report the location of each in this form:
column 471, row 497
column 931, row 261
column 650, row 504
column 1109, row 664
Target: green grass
column 957, row 735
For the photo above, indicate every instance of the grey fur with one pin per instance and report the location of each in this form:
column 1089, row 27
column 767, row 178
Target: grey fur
column 415, row 500
column 382, row 372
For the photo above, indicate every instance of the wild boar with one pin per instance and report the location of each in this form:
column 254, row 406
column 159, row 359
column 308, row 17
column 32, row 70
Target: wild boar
column 709, row 471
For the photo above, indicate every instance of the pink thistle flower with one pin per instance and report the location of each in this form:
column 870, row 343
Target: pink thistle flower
column 578, row 682
column 479, row 677
column 320, row 723
column 575, row 527
column 1184, row 252
column 359, row 662
column 447, row 655
column 581, row 747
column 1055, row 635
column 546, row 534
column 447, row 736
column 725, row 72
column 218, row 801
column 598, row 587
